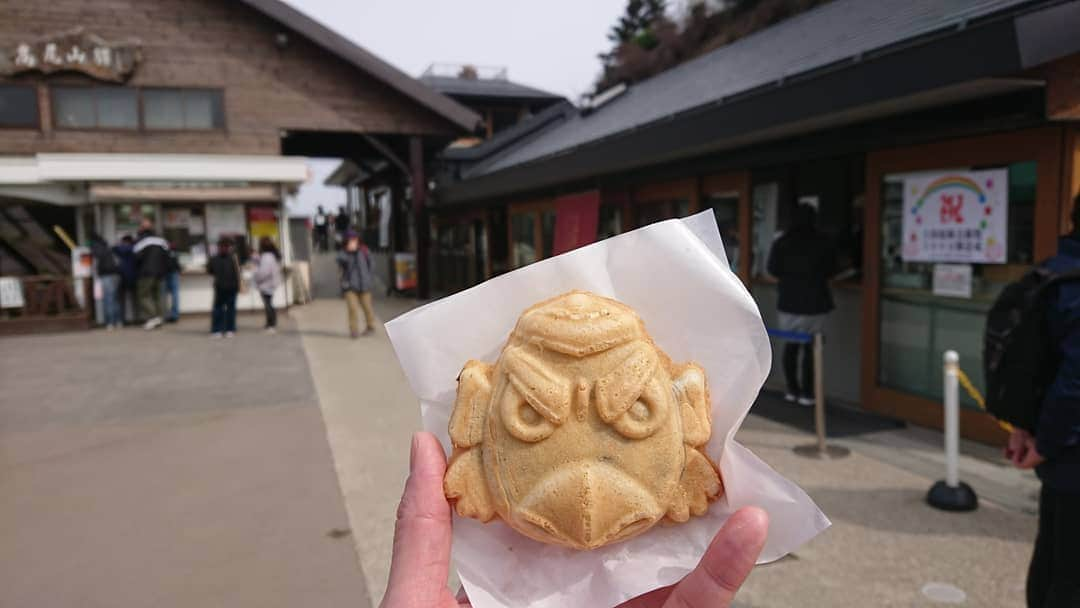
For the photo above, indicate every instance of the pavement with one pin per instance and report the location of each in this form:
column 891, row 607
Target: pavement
column 167, row 469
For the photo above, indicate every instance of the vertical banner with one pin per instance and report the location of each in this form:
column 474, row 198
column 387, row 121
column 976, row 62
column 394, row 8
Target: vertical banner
column 576, row 217
column 956, row 217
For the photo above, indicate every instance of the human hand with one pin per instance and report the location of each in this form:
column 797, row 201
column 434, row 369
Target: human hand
column 421, row 560
column 1017, row 445
column 1030, row 457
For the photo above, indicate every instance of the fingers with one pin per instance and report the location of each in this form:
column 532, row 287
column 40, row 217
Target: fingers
column 421, row 560
column 726, row 563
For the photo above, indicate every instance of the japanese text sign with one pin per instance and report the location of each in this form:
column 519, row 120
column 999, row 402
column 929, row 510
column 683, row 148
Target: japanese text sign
column 74, row 50
column 956, row 217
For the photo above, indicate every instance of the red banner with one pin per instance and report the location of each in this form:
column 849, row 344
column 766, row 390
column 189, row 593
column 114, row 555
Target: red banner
column 576, row 216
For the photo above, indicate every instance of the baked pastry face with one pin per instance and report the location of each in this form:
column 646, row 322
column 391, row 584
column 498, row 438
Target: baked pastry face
column 583, row 433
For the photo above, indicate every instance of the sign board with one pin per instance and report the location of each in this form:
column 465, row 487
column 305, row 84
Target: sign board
column 952, row 280
column 576, row 217
column 72, row 51
column 956, row 217
column 82, row 262
column 405, row 271
column 11, row 295
column 263, row 221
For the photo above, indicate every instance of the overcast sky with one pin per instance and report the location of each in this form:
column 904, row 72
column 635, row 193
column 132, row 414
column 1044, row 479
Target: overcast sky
column 550, row 44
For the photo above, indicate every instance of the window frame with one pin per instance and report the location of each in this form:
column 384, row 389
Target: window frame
column 37, row 107
column 140, row 109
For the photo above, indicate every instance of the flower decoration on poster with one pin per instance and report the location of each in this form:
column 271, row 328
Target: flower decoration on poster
column 956, row 217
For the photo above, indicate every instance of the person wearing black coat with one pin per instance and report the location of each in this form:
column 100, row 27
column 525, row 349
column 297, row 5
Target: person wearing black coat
column 151, row 266
column 225, row 268
column 107, row 272
column 802, row 260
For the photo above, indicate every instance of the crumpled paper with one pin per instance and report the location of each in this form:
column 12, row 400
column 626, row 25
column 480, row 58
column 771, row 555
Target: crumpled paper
column 676, row 275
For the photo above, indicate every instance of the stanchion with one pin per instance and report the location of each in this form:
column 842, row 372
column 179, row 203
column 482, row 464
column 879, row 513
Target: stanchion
column 820, row 449
column 951, row 494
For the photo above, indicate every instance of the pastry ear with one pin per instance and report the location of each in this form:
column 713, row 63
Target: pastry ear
column 471, row 405
column 693, row 398
column 698, row 486
column 466, row 485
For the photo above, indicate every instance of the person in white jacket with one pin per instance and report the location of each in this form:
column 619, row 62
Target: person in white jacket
column 267, row 278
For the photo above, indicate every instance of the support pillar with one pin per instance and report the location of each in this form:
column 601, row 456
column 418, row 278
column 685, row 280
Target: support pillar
column 419, row 200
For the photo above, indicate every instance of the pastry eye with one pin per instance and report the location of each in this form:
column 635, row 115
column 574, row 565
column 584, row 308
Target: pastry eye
column 521, row 420
column 645, row 416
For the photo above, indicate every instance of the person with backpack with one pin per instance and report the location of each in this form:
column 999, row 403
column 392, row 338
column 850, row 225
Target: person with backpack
column 125, row 256
column 225, row 268
column 107, row 271
column 357, row 277
column 802, row 260
column 1045, row 407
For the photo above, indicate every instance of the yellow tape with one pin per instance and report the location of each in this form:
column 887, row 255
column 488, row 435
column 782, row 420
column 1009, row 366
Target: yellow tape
column 977, row 396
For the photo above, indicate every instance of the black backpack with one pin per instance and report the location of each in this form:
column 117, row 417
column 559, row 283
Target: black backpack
column 1020, row 358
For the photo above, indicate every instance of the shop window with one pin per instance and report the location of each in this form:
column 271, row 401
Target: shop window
column 725, row 208
column 182, row 109
column 547, row 233
column 18, row 106
column 95, row 107
column 652, row 212
column 953, row 235
column 128, row 216
column 610, row 221
column 185, row 229
column 522, row 239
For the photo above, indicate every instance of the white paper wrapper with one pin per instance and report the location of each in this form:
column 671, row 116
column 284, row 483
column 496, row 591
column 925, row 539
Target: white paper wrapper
column 676, row 275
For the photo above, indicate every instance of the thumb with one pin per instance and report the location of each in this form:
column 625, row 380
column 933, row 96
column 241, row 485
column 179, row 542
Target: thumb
column 726, row 563
column 421, row 561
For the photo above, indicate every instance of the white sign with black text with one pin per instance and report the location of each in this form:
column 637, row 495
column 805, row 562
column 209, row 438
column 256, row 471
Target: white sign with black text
column 952, row 280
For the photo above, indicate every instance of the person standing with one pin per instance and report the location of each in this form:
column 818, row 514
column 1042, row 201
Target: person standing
column 1054, row 449
column 341, row 226
column 107, row 270
column 357, row 276
column 322, row 225
column 225, row 269
column 172, row 286
column 802, row 260
column 267, row 279
column 151, row 266
column 125, row 255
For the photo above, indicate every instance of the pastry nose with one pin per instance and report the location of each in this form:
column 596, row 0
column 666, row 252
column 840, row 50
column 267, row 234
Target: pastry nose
column 587, row 504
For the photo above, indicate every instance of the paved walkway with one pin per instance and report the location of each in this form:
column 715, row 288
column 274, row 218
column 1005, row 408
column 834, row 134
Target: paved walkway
column 165, row 469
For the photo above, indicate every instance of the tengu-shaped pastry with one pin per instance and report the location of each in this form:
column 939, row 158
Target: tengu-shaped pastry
column 583, row 433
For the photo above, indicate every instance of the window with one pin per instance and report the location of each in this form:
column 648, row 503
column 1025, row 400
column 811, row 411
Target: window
column 522, row 237
column 186, row 109
column 610, row 221
column 95, row 107
column 119, row 108
column 18, row 106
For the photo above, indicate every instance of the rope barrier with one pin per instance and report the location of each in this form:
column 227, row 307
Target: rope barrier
column 791, row 336
column 977, row 396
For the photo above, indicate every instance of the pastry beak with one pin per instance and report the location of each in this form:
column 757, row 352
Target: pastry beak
column 589, row 504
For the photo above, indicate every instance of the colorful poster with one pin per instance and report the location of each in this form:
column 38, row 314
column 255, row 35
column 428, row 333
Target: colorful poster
column 405, row 271
column 263, row 221
column 956, row 217
column 576, row 217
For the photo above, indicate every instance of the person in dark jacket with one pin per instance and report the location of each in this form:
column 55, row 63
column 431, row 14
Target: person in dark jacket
column 357, row 276
column 151, row 266
column 125, row 255
column 225, row 269
column 172, row 287
column 803, row 260
column 1054, row 450
column 107, row 271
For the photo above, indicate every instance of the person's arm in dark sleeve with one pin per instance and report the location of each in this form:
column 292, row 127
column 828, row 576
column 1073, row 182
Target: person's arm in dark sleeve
column 775, row 265
column 1059, row 418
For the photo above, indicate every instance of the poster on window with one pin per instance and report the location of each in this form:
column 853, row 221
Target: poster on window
column 956, row 217
column 224, row 220
column 263, row 221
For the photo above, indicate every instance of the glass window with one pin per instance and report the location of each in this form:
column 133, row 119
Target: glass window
column 95, row 107
column 522, row 239
column 547, row 233
column 610, row 222
column 189, row 109
column 652, row 212
column 726, row 211
column 917, row 325
column 18, row 106
column 765, row 203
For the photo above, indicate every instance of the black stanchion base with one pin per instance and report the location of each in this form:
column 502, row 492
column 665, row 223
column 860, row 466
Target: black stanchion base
column 946, row 498
column 831, row 452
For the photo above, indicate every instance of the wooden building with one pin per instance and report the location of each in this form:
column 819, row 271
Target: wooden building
column 196, row 114
column 853, row 107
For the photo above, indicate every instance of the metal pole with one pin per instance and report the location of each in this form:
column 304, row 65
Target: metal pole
column 952, row 419
column 819, row 391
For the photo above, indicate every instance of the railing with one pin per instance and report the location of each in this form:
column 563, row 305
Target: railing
column 47, row 297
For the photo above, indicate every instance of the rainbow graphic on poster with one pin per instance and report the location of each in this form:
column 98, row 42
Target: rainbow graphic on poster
column 957, row 217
